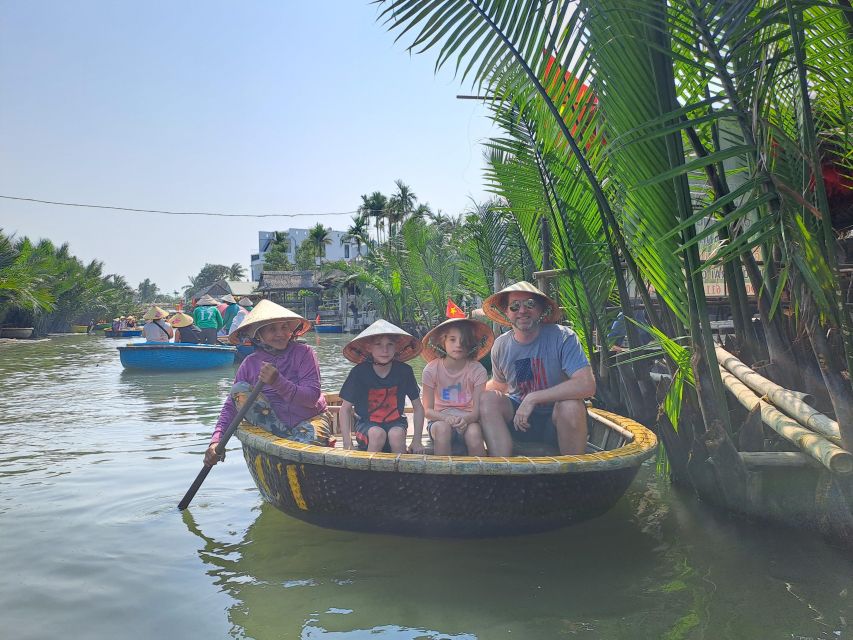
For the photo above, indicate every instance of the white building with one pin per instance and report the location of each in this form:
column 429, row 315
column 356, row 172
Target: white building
column 341, row 248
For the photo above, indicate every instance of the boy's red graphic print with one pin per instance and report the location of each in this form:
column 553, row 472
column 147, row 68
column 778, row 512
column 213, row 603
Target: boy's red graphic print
column 530, row 375
column 382, row 405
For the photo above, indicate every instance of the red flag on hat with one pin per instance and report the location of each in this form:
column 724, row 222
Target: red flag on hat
column 453, row 311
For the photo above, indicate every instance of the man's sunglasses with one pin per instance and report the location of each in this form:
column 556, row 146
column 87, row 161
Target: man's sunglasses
column 530, row 303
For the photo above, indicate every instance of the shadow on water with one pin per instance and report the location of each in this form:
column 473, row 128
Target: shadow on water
column 656, row 566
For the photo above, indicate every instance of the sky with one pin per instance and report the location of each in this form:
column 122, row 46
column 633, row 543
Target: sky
column 263, row 106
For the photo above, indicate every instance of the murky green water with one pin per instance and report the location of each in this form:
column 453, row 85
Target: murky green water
column 93, row 461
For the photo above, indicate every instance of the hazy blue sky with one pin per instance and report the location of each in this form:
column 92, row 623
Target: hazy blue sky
column 247, row 107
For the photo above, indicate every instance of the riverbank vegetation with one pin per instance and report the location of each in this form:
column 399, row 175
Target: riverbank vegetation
column 46, row 287
column 646, row 146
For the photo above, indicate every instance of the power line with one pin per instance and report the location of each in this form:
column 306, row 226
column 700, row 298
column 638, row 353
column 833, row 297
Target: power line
column 184, row 213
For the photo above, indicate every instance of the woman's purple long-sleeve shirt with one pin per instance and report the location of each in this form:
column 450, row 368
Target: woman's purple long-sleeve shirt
column 296, row 394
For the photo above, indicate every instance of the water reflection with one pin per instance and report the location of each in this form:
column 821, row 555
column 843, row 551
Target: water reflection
column 178, row 396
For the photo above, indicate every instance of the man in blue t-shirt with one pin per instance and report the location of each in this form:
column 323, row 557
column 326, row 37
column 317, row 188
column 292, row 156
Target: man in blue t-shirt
column 540, row 375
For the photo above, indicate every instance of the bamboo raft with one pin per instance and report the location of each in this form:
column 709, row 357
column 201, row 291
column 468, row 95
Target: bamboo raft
column 456, row 496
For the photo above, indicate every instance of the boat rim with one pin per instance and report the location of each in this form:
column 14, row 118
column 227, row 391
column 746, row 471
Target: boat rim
column 180, row 345
column 631, row 454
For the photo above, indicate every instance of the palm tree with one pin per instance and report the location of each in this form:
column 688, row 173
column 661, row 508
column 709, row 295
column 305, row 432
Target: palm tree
column 357, row 232
column 611, row 146
column 400, row 206
column 319, row 237
column 375, row 206
column 236, row 271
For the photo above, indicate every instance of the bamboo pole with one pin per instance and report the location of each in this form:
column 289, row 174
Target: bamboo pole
column 789, row 401
column 817, row 446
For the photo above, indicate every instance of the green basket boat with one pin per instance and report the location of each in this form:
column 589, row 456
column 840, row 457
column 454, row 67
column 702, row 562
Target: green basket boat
column 457, row 496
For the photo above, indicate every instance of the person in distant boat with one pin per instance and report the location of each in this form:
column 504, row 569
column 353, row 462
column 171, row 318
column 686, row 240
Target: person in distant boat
column 116, row 324
column 291, row 404
column 207, row 318
column 245, row 305
column 130, row 322
column 229, row 314
column 453, row 381
column 185, row 330
column 540, row 375
column 156, row 329
column 377, row 387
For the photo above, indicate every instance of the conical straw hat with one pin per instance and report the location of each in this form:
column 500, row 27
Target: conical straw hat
column 484, row 338
column 228, row 298
column 358, row 351
column 181, row 320
column 245, row 302
column 154, row 313
column 265, row 313
column 206, row 300
column 495, row 305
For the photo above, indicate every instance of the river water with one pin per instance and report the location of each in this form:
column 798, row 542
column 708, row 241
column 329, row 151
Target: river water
column 94, row 459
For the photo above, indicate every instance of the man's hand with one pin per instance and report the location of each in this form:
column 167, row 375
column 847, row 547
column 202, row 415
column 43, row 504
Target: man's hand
column 268, row 374
column 521, row 421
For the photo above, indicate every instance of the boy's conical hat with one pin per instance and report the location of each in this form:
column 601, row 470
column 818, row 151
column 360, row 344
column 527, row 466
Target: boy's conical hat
column 228, row 298
column 495, row 305
column 154, row 313
column 484, row 338
column 357, row 351
column 265, row 313
column 181, row 320
column 206, row 300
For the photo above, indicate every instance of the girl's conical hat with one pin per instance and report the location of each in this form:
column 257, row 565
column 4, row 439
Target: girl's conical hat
column 357, row 351
column 181, row 320
column 154, row 313
column 484, row 338
column 495, row 305
column 228, row 298
column 206, row 300
column 265, row 313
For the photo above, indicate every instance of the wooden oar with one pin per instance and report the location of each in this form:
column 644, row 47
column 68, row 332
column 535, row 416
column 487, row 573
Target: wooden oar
column 220, row 446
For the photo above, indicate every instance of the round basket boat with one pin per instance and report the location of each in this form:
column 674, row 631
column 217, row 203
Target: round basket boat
column 20, row 333
column 175, row 357
column 122, row 333
column 79, row 328
column 456, row 496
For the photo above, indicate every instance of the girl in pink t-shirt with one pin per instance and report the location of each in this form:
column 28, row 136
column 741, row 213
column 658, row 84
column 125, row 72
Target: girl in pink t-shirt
column 453, row 381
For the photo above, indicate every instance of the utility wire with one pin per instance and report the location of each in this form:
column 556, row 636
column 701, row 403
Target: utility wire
column 185, row 213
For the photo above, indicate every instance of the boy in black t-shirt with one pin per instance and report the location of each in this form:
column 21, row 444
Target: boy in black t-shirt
column 377, row 388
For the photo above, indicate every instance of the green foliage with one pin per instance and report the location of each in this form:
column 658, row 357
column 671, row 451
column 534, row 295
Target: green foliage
column 275, row 258
column 306, row 254
column 147, row 291
column 209, row 274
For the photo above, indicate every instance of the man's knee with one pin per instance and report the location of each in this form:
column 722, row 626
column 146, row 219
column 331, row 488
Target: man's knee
column 570, row 413
column 492, row 404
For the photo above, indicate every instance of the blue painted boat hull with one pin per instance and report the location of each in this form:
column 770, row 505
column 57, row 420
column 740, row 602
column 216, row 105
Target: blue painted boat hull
column 244, row 350
column 328, row 328
column 175, row 357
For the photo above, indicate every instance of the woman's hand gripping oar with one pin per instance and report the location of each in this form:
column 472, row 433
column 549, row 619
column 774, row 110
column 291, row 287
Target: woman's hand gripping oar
column 220, row 447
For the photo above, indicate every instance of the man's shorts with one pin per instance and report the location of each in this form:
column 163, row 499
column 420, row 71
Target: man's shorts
column 362, row 426
column 541, row 429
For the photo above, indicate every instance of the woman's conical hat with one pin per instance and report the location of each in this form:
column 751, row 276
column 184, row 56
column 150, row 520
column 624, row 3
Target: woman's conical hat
column 484, row 338
column 206, row 300
column 357, row 350
column 181, row 320
column 265, row 313
column 228, row 298
column 154, row 313
column 495, row 305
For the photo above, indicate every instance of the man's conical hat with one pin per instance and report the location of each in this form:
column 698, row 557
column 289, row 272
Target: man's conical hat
column 495, row 305
column 154, row 313
column 358, row 350
column 206, row 300
column 265, row 313
column 484, row 338
column 181, row 320
column 228, row 298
